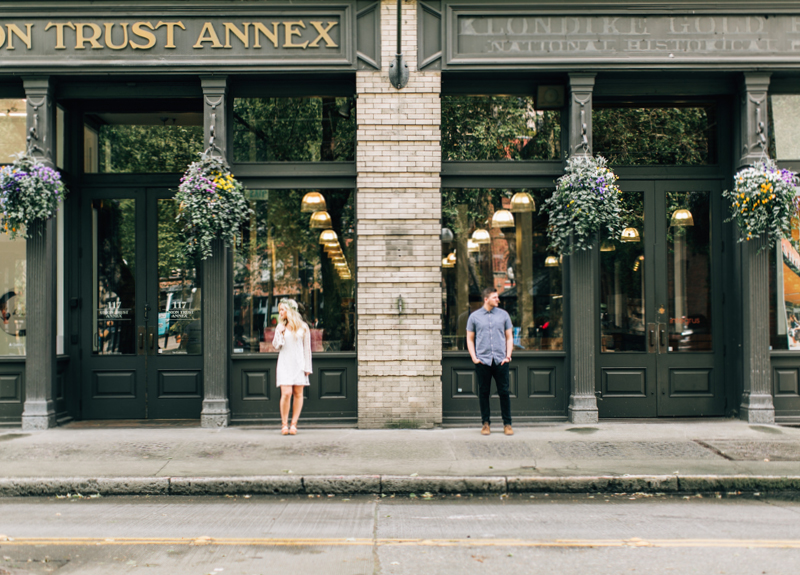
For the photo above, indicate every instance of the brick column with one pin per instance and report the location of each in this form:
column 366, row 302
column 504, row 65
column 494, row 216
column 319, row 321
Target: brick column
column 399, row 251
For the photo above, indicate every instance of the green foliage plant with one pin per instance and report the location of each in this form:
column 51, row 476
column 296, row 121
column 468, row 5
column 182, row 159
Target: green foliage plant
column 212, row 205
column 29, row 190
column 763, row 201
column 586, row 200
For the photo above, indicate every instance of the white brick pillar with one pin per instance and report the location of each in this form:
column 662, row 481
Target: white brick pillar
column 399, row 251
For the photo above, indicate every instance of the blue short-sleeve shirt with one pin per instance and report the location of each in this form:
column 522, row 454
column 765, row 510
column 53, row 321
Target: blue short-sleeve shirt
column 489, row 328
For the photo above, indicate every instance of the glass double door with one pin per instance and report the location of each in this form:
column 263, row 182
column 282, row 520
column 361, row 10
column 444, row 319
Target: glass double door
column 141, row 309
column 660, row 335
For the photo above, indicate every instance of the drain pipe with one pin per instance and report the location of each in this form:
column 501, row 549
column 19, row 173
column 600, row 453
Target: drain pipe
column 398, row 70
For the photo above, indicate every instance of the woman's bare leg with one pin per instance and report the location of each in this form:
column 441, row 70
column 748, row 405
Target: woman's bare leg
column 285, row 403
column 297, row 392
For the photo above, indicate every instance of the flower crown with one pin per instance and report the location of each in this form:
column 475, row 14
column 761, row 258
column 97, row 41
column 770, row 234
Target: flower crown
column 290, row 303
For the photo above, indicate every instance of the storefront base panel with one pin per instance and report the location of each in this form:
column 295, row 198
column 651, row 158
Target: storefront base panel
column 786, row 388
column 537, row 384
column 331, row 398
column 12, row 391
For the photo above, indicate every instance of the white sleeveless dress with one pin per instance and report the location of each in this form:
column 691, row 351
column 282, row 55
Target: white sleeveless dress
column 294, row 357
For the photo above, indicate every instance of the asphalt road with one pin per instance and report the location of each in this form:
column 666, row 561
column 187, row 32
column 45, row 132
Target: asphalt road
column 584, row 534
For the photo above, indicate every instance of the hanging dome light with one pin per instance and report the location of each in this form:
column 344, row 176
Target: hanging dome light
column 321, row 220
column 630, row 235
column 473, row 246
column 328, row 236
column 452, row 258
column 607, row 246
column 551, row 262
column 337, row 257
column 330, row 247
column 446, row 263
column 481, row 237
column 340, row 264
column 681, row 218
column 503, row 219
column 313, row 202
column 446, row 235
column 522, row 202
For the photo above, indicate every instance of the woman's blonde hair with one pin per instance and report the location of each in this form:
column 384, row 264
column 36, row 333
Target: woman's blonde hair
column 294, row 321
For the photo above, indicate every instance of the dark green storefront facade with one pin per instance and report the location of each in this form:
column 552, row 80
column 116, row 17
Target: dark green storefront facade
column 681, row 323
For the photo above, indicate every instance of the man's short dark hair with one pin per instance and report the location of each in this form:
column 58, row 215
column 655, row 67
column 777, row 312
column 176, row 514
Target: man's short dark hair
column 488, row 291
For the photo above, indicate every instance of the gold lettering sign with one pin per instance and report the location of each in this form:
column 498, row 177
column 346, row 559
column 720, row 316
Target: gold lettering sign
column 289, row 34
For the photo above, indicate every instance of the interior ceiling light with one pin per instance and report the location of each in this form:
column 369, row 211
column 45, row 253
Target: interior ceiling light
column 446, row 263
column 481, row 237
column 551, row 262
column 522, row 202
column 681, row 218
column 328, row 236
column 503, row 219
column 473, row 246
column 321, row 220
column 607, row 246
column 630, row 235
column 313, row 202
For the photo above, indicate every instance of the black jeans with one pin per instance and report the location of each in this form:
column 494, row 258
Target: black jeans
column 485, row 373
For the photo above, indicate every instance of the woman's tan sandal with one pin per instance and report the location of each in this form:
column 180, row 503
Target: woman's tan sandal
column 285, row 430
column 293, row 430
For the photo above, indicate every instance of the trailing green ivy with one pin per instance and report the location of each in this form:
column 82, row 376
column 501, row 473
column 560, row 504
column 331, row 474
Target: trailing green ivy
column 585, row 201
column 211, row 203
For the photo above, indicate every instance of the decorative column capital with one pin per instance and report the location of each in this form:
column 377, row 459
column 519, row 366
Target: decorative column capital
column 581, row 87
column 215, row 93
column 753, row 124
column 40, row 110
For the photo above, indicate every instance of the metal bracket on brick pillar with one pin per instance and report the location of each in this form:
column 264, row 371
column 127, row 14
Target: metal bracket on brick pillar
column 216, row 411
column 398, row 69
column 757, row 405
column 40, row 284
column 582, row 279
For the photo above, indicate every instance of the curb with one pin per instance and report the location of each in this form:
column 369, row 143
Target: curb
column 394, row 485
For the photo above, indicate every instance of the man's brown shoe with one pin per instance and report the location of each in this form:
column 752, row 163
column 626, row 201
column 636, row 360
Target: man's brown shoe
column 485, row 429
column 507, row 430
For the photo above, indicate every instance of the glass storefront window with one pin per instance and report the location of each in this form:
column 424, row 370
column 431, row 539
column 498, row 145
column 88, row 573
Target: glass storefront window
column 684, row 136
column 513, row 259
column 476, row 128
column 785, row 126
column 622, row 284
column 153, row 142
column 12, row 295
column 784, row 292
column 280, row 256
column 311, row 129
column 13, row 117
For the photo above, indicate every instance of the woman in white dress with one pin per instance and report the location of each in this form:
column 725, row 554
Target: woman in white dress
column 293, row 340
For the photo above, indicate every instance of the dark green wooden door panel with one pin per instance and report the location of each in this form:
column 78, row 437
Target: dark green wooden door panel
column 537, row 385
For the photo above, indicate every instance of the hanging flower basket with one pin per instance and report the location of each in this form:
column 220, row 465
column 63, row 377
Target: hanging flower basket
column 212, row 205
column 586, row 200
column 29, row 190
column 763, row 201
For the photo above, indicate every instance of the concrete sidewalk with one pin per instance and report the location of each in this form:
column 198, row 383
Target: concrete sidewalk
column 657, row 456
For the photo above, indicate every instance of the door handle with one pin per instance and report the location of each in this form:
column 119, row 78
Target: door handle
column 141, row 350
column 651, row 339
column 662, row 338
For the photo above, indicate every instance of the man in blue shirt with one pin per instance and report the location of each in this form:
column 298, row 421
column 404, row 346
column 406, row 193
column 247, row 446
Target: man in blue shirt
column 490, row 340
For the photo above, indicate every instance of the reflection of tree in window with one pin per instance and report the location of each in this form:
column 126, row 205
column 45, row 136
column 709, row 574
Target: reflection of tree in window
column 318, row 129
column 478, row 128
column 148, row 149
column 655, row 136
